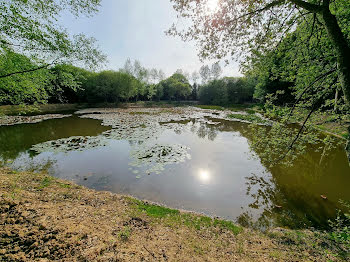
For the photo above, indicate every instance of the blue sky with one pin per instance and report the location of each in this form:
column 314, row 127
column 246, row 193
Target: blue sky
column 135, row 29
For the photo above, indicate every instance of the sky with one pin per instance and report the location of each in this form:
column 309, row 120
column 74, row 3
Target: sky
column 135, row 29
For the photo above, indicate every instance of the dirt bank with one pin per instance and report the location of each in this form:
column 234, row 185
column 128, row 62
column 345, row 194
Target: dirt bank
column 44, row 219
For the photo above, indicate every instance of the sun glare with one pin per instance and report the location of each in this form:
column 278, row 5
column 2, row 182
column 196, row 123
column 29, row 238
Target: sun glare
column 212, row 5
column 204, row 175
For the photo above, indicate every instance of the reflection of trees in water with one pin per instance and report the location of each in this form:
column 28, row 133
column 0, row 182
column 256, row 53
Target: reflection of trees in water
column 19, row 138
column 290, row 196
column 207, row 131
column 285, row 204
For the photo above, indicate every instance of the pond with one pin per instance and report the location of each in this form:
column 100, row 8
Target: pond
column 185, row 158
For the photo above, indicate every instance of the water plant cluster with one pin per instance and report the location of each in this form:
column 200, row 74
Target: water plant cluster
column 142, row 126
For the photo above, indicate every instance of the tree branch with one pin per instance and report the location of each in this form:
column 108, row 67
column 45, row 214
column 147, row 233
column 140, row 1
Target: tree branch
column 27, row 70
column 307, row 88
column 268, row 6
column 308, row 6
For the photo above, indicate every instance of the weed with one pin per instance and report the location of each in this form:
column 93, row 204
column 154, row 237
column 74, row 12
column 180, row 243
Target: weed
column 124, row 235
column 45, row 182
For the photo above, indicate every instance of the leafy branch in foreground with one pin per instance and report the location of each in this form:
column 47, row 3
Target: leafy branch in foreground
column 31, row 28
column 341, row 227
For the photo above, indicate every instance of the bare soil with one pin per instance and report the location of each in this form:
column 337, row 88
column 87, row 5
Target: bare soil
column 47, row 219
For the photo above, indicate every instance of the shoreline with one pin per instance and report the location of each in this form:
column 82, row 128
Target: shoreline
column 43, row 217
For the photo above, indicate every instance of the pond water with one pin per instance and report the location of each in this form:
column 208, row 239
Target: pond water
column 197, row 161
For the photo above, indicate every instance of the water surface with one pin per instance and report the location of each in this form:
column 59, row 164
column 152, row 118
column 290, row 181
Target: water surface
column 221, row 178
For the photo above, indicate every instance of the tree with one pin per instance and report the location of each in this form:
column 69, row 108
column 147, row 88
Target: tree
column 30, row 27
column 216, row 70
column 67, row 83
column 22, row 88
column 128, row 67
column 204, row 71
column 154, row 75
column 195, row 76
column 245, row 25
column 176, row 87
column 226, row 91
column 214, row 93
column 161, row 75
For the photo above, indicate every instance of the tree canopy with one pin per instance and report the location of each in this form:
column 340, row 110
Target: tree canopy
column 31, row 28
column 302, row 44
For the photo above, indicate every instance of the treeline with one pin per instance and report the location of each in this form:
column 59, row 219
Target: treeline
column 70, row 84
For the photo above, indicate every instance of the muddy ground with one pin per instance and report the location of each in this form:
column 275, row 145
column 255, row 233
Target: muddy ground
column 46, row 219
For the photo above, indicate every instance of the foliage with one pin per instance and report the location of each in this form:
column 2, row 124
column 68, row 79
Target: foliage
column 22, row 88
column 341, row 227
column 68, row 83
column 30, row 27
column 111, row 86
column 226, row 91
column 176, row 87
column 296, row 46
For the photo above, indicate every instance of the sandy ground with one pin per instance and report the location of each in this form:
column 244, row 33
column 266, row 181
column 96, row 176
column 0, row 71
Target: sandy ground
column 46, row 219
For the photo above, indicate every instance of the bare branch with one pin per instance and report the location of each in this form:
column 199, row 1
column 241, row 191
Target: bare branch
column 308, row 6
column 267, row 7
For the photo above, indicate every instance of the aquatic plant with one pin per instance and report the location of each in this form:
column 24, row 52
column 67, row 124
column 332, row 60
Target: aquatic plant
column 156, row 157
column 75, row 143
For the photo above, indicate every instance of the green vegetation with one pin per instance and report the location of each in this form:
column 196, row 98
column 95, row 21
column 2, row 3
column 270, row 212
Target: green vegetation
column 45, row 182
column 250, row 118
column 154, row 210
column 341, row 227
column 227, row 91
column 174, row 217
column 124, row 235
column 297, row 53
column 211, row 107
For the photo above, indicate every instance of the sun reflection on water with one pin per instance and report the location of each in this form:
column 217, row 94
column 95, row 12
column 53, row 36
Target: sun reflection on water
column 204, row 175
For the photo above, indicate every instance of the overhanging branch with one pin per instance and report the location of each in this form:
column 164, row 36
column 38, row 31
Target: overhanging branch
column 308, row 6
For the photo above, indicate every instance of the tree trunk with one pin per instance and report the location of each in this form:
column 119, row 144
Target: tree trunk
column 336, row 100
column 342, row 51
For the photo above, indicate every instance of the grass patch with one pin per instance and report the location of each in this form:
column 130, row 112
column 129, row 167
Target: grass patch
column 250, row 111
column 45, row 182
column 173, row 217
column 229, row 225
column 153, row 210
column 65, row 185
column 250, row 118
